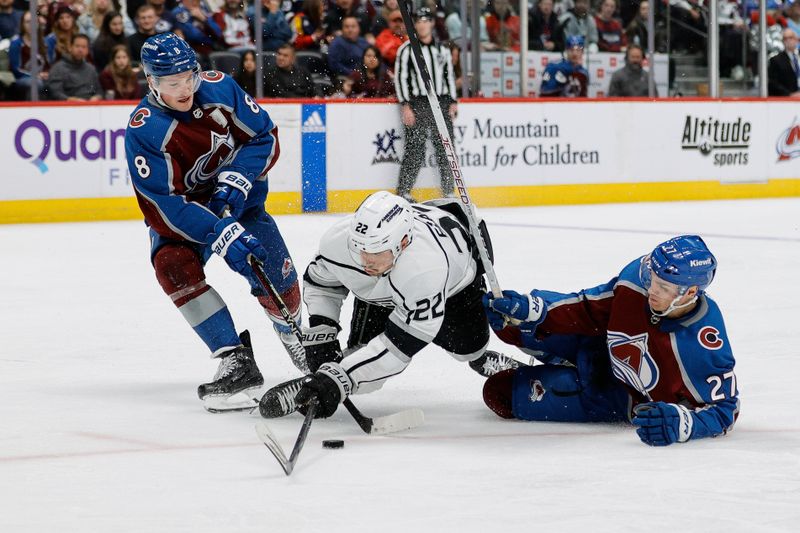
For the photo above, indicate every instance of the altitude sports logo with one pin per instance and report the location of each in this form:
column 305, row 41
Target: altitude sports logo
column 728, row 141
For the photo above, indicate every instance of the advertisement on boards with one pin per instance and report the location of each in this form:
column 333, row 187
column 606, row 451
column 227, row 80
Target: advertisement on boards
column 79, row 151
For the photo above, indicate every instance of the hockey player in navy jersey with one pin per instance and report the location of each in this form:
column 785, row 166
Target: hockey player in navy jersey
column 199, row 149
column 649, row 346
column 567, row 78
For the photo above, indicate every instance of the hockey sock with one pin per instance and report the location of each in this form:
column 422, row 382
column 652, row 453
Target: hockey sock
column 291, row 297
column 180, row 274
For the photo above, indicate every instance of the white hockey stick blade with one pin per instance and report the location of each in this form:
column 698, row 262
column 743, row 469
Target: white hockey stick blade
column 268, row 438
column 401, row 421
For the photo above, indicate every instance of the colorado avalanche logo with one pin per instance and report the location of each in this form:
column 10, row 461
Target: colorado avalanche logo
column 631, row 362
column 537, row 391
column 205, row 168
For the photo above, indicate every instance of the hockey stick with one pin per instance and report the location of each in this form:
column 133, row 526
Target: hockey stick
column 449, row 147
column 269, row 440
column 407, row 419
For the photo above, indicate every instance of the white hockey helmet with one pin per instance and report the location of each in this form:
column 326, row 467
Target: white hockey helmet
column 380, row 223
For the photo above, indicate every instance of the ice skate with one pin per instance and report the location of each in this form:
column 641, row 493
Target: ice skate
column 491, row 363
column 235, row 383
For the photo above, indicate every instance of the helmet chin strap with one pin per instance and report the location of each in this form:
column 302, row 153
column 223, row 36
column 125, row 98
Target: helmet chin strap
column 673, row 306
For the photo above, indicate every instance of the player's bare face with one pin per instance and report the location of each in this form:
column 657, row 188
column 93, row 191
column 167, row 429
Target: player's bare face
column 662, row 293
column 377, row 264
column 177, row 91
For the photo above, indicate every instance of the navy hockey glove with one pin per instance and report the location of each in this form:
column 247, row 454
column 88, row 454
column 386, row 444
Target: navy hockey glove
column 330, row 385
column 523, row 307
column 660, row 423
column 235, row 244
column 231, row 191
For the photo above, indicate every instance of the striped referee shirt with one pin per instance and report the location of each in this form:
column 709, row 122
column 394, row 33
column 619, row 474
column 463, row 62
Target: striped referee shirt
column 408, row 82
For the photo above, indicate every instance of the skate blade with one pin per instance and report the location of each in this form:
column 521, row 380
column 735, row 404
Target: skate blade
column 244, row 400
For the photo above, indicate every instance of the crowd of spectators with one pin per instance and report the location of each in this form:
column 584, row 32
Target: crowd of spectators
column 337, row 47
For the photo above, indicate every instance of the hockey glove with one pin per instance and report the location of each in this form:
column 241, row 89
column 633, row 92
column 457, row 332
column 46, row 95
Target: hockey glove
column 231, row 191
column 530, row 310
column 321, row 343
column 235, row 244
column 660, row 424
column 330, row 385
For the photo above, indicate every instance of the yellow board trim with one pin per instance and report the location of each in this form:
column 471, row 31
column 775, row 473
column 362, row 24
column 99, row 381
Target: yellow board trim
column 96, row 209
column 593, row 193
column 285, row 203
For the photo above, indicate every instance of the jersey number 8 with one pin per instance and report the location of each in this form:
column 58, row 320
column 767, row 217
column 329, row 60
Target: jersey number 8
column 141, row 166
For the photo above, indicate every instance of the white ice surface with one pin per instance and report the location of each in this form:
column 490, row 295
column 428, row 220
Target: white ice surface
column 101, row 430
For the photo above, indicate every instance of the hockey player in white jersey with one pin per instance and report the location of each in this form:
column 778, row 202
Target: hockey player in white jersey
column 413, row 271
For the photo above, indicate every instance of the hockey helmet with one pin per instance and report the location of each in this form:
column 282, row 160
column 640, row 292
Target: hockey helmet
column 684, row 261
column 380, row 223
column 167, row 54
column 575, row 41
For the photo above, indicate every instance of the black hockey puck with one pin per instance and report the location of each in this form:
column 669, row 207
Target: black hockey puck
column 334, row 444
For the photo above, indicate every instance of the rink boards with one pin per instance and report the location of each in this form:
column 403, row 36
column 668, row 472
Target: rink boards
column 67, row 162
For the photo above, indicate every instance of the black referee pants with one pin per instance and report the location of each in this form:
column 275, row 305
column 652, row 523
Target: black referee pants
column 414, row 151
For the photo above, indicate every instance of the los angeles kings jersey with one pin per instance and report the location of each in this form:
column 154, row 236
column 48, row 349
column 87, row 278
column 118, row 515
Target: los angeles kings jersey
column 436, row 265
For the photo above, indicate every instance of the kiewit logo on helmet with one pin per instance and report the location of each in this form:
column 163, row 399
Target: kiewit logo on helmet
column 699, row 262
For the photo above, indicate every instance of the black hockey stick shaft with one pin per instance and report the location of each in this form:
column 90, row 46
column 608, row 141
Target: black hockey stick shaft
column 301, row 436
column 449, row 148
column 364, row 422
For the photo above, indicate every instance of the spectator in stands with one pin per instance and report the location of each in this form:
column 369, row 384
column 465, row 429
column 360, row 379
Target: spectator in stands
column 111, row 35
column 246, row 75
column 232, row 20
column 567, row 78
column 21, row 63
column 632, row 79
column 72, row 78
column 453, row 25
column 146, row 19
column 340, row 9
column 610, row 35
column 275, row 28
column 118, row 79
column 347, row 50
column 342, row 88
column 783, row 71
column 502, row 25
column 732, row 39
column 196, row 22
column 308, row 32
column 578, row 22
column 91, row 20
column 64, row 29
column 688, row 26
column 165, row 18
column 636, row 32
column 391, row 38
column 793, row 16
column 372, row 79
column 9, row 19
column 287, row 79
column 381, row 21
column 543, row 27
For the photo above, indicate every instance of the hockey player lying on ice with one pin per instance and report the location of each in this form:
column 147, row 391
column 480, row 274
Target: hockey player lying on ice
column 649, row 346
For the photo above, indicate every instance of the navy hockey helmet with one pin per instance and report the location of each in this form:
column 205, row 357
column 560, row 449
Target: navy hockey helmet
column 684, row 261
column 575, row 41
column 166, row 54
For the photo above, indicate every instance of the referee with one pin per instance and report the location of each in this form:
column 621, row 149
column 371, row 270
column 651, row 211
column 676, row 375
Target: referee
column 417, row 116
